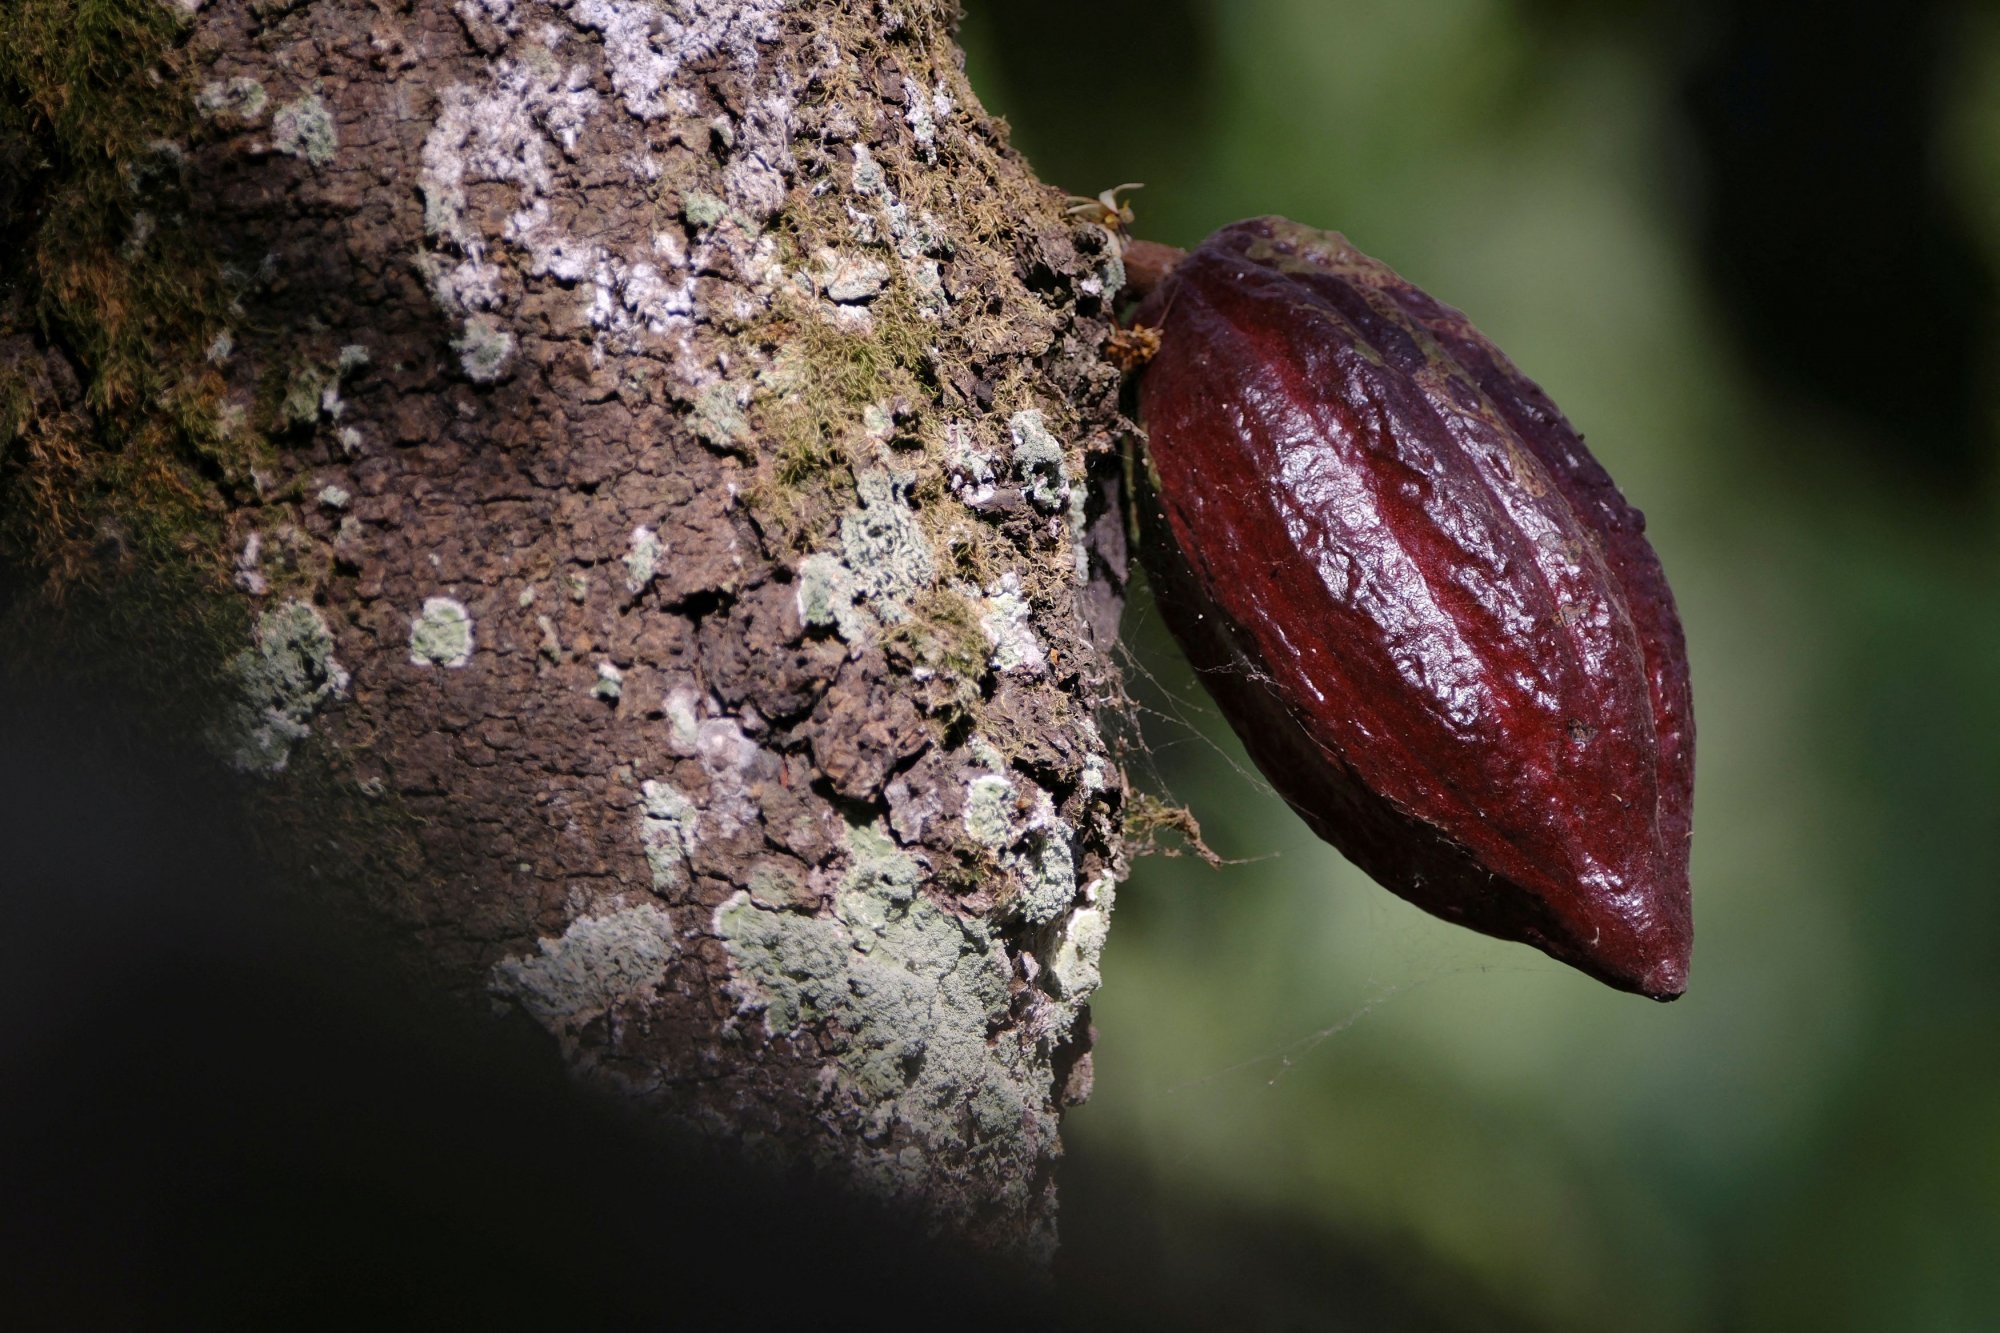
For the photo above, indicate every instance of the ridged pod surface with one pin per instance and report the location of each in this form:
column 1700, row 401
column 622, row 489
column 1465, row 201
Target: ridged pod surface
column 1432, row 618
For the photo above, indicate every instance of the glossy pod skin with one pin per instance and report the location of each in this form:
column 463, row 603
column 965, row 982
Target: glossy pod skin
column 1430, row 615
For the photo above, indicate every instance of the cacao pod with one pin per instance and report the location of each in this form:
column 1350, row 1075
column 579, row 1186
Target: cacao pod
column 1432, row 618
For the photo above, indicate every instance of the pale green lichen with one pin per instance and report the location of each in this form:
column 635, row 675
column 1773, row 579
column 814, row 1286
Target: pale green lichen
column 642, row 559
column 1075, row 968
column 883, row 546
column 305, row 128
column 610, row 682
column 598, row 962
column 718, row 416
column 989, row 811
column 774, row 886
column 1039, row 460
column 441, row 633
column 1006, row 622
column 826, row 598
column 847, row 277
column 685, row 723
column 305, row 392
column 1113, row 273
column 1034, row 846
column 877, row 423
column 702, row 208
column 885, row 560
column 334, row 497
column 668, row 823
column 974, row 472
column 907, row 994
column 282, row 679
column 868, row 177
column 1046, row 864
column 1079, row 529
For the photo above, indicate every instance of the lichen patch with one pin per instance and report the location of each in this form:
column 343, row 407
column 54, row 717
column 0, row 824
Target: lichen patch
column 286, row 675
column 598, row 962
column 304, row 128
column 904, row 994
column 441, row 633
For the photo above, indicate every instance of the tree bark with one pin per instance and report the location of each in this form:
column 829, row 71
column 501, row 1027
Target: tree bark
column 653, row 462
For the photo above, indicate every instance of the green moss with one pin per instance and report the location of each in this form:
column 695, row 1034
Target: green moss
column 110, row 260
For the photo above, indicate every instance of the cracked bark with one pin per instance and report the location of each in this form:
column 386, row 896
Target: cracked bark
column 681, row 533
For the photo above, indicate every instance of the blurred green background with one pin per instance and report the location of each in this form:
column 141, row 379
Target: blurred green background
column 1751, row 250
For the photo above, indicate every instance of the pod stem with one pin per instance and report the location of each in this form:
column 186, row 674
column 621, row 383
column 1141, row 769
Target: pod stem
column 1147, row 264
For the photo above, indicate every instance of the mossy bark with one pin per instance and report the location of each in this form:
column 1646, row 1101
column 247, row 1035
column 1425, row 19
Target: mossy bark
column 655, row 454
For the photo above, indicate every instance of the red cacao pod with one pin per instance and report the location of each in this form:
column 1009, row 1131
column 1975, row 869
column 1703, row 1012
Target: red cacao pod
column 1430, row 615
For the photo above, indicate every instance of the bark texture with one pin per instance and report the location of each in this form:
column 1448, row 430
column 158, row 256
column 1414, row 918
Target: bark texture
column 660, row 447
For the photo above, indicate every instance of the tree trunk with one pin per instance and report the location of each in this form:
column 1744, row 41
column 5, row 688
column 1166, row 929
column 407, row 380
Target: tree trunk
column 639, row 472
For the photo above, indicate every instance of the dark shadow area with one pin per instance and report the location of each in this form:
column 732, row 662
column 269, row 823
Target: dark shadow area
column 219, row 1109
column 1099, row 82
column 1827, row 233
column 1166, row 1256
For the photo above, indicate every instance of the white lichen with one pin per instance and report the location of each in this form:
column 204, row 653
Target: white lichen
column 248, row 576
column 646, row 44
column 669, row 826
column 642, row 559
column 485, row 348
column 504, row 134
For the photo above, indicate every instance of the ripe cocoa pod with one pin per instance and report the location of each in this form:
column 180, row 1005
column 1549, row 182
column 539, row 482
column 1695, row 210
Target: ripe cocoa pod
column 1430, row 615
